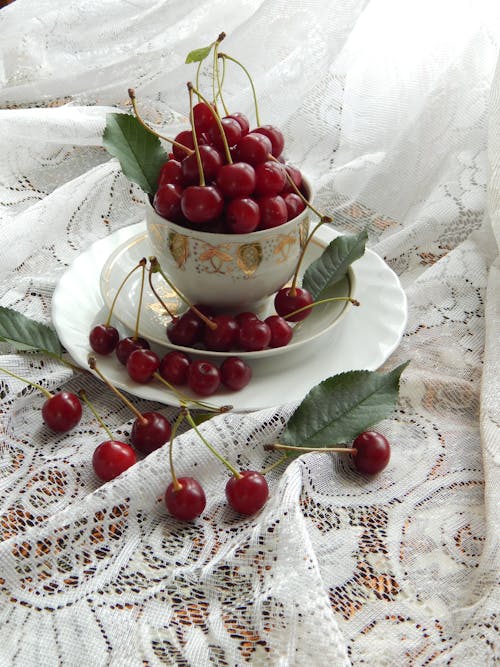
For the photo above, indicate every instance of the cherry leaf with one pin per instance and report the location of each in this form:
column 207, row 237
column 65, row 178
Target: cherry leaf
column 341, row 407
column 26, row 334
column 139, row 152
column 333, row 263
column 197, row 55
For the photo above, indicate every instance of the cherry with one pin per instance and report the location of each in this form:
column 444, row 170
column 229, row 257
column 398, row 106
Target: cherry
column 167, row 202
column 185, row 330
column 273, row 211
column 253, row 148
column 296, row 177
column 211, row 162
column 254, row 335
column 245, row 316
column 149, row 432
column 201, row 203
column 287, row 301
column 236, row 180
column 174, row 367
column 242, row 215
column 186, row 139
column 235, row 373
column 275, row 136
column 294, row 205
column 104, row 338
column 232, row 130
column 171, row 172
column 242, row 120
column 142, row 365
column 127, row 345
column 187, row 502
column 62, row 411
column 281, row 331
column 223, row 337
column 111, row 458
column 203, row 377
column 203, row 117
column 373, row 452
column 247, row 493
column 270, row 178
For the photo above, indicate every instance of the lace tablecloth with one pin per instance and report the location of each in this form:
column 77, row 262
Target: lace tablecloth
column 393, row 111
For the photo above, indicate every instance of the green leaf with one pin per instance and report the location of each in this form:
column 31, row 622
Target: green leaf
column 200, row 417
column 341, row 407
column 197, row 55
column 26, row 334
column 140, row 152
column 332, row 265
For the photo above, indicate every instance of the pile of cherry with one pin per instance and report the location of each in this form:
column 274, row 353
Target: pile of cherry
column 243, row 186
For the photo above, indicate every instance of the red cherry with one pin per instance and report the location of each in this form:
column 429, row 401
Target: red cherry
column 142, row 365
column 242, row 120
column 248, row 493
column 186, row 139
column 232, row 130
column 281, row 331
column 235, row 373
column 171, row 172
column 174, row 367
column 285, row 303
column 150, row 433
column 201, row 203
column 242, row 215
column 296, row 178
column 270, row 178
column 203, row 377
column 127, row 345
column 275, row 136
column 111, row 458
column 373, row 452
column 223, row 337
column 272, row 212
column 294, row 205
column 254, row 335
column 185, row 330
column 211, row 162
column 236, row 180
column 244, row 317
column 103, row 338
column 203, row 117
column 253, row 148
column 62, row 411
column 185, row 503
column 167, row 202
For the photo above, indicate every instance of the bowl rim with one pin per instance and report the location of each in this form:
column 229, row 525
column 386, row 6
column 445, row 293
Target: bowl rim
column 228, row 237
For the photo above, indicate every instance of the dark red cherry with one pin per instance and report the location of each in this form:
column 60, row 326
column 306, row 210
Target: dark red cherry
column 185, row 330
column 273, row 212
column 142, row 365
column 242, row 120
column 150, row 433
column 111, row 458
column 203, row 117
column 242, row 215
column 62, row 411
column 211, row 162
column 253, row 148
column 203, row 377
column 186, row 139
column 224, row 336
column 247, row 494
column 127, row 345
column 281, row 331
column 275, row 136
column 104, row 338
column 373, row 452
column 270, row 178
column 167, row 202
column 232, row 130
column 201, row 203
column 294, row 205
column 254, row 335
column 235, row 373
column 171, row 172
column 185, row 503
column 296, row 177
column 174, row 367
column 236, row 180
column 286, row 302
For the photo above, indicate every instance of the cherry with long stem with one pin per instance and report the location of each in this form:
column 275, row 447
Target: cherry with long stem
column 217, row 120
column 131, row 94
column 225, row 56
column 173, row 316
column 215, row 71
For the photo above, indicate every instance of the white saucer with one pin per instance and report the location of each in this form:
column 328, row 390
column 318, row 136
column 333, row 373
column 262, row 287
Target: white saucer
column 364, row 338
column 154, row 319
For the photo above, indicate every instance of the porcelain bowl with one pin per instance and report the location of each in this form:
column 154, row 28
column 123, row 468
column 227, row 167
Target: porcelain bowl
column 227, row 271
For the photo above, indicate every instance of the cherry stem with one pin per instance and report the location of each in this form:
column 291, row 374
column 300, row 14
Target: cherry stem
column 150, row 280
column 139, row 306
column 220, row 83
column 141, row 263
column 217, row 120
column 215, row 71
column 290, row 448
column 93, row 365
column 274, row 465
column 237, row 62
column 131, row 94
column 64, row 361
column 175, row 426
column 44, row 391
column 354, row 302
column 297, row 191
column 156, row 268
column 212, row 449
column 184, row 398
column 195, row 138
column 322, row 221
column 82, row 394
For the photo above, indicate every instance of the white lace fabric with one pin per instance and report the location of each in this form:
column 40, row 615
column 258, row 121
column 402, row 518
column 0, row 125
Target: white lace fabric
column 392, row 109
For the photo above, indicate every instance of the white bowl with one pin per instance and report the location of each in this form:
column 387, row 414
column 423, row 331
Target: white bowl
column 227, row 271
